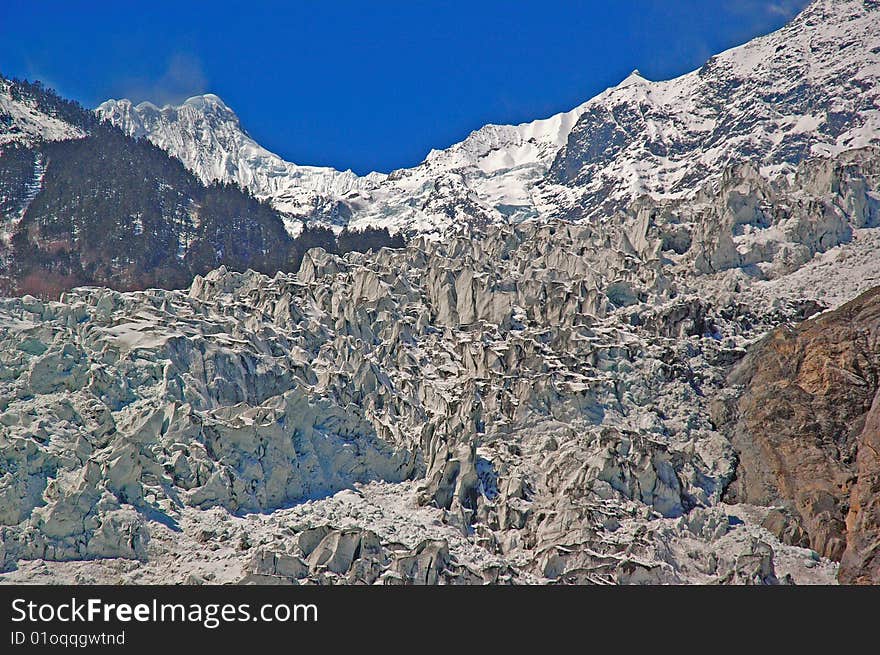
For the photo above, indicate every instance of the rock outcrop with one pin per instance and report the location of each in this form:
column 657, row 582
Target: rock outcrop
column 861, row 559
column 806, row 431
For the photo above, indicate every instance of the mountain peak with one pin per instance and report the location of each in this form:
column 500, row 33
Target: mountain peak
column 206, row 101
column 207, row 136
column 635, row 77
column 808, row 89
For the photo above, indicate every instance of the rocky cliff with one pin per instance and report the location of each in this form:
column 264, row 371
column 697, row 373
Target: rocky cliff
column 806, row 430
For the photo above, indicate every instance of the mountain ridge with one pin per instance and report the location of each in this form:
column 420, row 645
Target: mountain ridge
column 660, row 139
column 208, row 137
column 82, row 203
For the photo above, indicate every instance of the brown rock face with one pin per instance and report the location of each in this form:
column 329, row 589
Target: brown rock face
column 805, row 435
column 861, row 560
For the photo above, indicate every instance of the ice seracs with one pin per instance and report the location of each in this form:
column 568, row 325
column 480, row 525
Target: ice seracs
column 527, row 403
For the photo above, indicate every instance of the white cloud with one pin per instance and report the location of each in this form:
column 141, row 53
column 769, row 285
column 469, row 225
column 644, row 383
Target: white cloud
column 183, row 77
column 759, row 9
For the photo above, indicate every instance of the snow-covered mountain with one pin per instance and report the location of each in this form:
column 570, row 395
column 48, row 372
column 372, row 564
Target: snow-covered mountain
column 124, row 212
column 810, row 88
column 487, row 178
column 208, row 138
column 487, row 175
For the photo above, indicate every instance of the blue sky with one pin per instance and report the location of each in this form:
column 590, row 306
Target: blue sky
column 369, row 85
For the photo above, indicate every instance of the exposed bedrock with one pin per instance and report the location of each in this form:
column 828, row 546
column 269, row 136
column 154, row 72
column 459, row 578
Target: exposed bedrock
column 806, row 431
